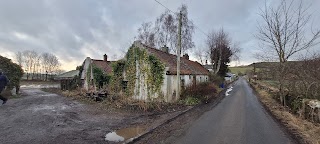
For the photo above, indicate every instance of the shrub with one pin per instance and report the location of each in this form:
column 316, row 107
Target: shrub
column 191, row 101
column 202, row 91
column 216, row 78
column 13, row 71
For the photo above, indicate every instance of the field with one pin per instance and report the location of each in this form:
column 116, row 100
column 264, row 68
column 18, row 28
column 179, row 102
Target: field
column 240, row 69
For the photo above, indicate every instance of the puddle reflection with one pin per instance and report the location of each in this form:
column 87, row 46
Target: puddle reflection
column 125, row 134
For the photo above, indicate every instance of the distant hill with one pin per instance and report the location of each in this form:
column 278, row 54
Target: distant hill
column 269, row 64
column 258, row 65
column 240, row 69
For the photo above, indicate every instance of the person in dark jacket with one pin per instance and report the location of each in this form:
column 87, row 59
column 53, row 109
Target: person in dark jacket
column 3, row 83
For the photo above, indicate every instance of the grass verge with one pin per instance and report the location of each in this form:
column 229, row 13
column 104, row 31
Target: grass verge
column 302, row 130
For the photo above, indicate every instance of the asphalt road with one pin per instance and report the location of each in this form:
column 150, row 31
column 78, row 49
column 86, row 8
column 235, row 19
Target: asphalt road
column 238, row 119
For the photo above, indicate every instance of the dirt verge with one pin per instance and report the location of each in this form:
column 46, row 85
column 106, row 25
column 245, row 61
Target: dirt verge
column 301, row 130
column 175, row 127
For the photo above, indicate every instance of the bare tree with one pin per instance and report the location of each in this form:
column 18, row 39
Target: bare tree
column 200, row 55
column 54, row 64
column 220, row 51
column 30, row 60
column 45, row 61
column 146, row 34
column 187, row 30
column 19, row 58
column 50, row 63
column 166, row 30
column 282, row 34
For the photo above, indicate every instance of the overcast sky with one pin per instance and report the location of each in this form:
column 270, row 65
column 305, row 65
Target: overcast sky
column 76, row 29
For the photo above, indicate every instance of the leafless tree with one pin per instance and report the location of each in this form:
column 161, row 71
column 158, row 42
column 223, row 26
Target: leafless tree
column 50, row 62
column 283, row 30
column 220, row 50
column 19, row 58
column 187, row 30
column 282, row 34
column 200, row 55
column 166, row 30
column 30, row 60
column 146, row 34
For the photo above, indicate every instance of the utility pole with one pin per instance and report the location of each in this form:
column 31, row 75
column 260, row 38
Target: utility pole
column 178, row 57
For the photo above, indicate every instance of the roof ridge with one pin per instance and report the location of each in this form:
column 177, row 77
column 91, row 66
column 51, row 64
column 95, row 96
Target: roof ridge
column 157, row 49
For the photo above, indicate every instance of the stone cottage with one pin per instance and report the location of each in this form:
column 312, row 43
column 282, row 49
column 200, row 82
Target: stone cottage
column 191, row 73
column 87, row 70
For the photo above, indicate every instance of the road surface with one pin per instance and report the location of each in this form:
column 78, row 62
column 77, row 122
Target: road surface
column 41, row 117
column 238, row 119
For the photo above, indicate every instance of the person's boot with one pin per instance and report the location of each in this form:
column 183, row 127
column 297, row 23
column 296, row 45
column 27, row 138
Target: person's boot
column 4, row 102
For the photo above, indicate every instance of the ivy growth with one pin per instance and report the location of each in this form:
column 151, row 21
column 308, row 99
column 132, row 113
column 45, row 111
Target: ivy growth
column 117, row 77
column 99, row 76
column 149, row 67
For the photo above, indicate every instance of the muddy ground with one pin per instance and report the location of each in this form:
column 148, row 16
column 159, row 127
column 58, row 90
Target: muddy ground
column 42, row 117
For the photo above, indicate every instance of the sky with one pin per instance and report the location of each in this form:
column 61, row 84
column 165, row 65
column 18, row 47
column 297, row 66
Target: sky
column 76, row 29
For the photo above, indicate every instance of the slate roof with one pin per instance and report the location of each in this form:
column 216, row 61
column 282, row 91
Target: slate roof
column 103, row 65
column 208, row 66
column 187, row 67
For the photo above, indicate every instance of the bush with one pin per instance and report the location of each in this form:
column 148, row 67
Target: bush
column 216, row 78
column 13, row 71
column 202, row 92
column 191, row 101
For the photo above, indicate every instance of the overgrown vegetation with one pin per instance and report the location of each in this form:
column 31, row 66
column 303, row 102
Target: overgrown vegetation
column 306, row 131
column 117, row 76
column 147, row 67
column 300, row 85
column 201, row 92
column 100, row 78
column 213, row 78
column 13, row 71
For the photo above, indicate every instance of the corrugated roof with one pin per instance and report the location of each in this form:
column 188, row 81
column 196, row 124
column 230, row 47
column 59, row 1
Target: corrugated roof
column 187, row 67
column 69, row 74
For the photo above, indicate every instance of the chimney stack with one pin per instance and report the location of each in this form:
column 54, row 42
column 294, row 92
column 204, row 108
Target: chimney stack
column 105, row 57
column 186, row 56
column 165, row 49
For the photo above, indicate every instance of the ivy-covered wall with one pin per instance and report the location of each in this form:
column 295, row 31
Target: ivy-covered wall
column 117, row 76
column 144, row 73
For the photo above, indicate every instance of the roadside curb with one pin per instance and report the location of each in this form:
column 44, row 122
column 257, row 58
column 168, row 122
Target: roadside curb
column 214, row 102
column 292, row 133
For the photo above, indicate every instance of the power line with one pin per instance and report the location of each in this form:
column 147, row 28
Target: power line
column 173, row 13
column 164, row 6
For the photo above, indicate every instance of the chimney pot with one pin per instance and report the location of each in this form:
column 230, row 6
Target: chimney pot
column 186, row 56
column 105, row 57
column 165, row 49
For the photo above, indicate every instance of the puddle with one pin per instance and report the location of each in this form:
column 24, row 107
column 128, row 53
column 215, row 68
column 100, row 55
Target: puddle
column 49, row 107
column 126, row 134
column 41, row 86
column 228, row 91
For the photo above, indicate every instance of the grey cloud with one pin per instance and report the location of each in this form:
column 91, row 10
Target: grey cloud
column 75, row 29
